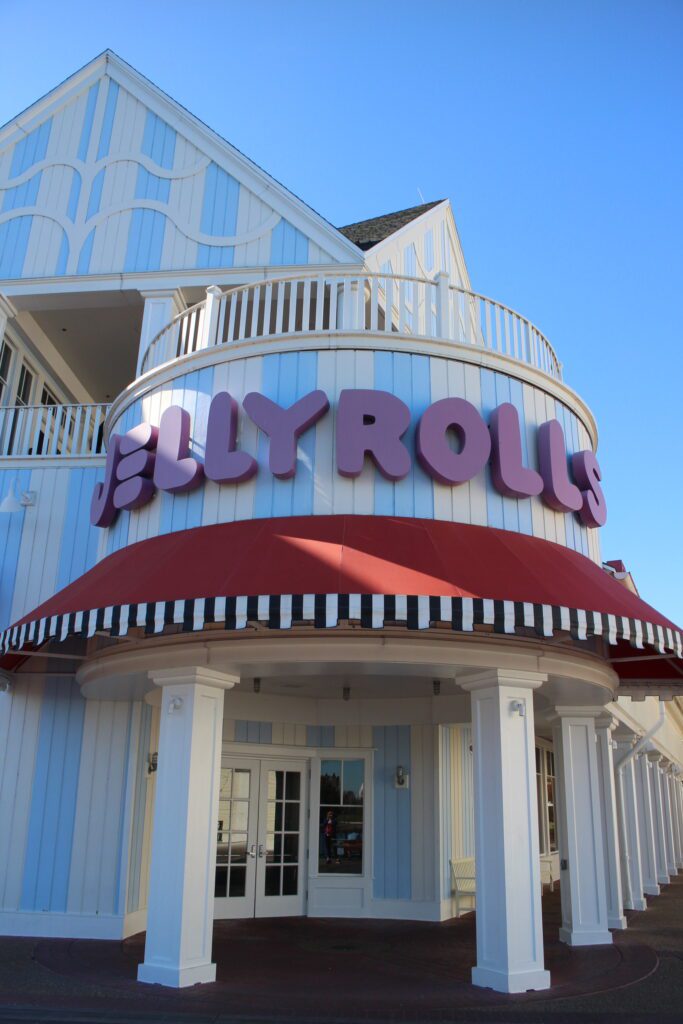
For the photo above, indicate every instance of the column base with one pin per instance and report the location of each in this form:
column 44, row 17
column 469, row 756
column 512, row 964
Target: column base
column 638, row 904
column 672, row 872
column 511, row 981
column 651, row 890
column 618, row 923
column 176, row 977
column 585, row 938
column 663, row 879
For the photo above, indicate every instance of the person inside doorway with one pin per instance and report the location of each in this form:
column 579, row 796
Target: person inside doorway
column 330, row 838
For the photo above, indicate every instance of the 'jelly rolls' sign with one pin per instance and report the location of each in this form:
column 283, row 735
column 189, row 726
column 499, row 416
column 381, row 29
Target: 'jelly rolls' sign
column 453, row 443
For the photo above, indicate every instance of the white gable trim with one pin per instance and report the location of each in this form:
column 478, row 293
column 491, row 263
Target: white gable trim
column 301, row 216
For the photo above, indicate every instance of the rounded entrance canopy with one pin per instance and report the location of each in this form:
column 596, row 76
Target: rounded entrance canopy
column 374, row 570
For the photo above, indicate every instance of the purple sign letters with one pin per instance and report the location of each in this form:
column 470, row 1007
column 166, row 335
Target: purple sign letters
column 453, row 443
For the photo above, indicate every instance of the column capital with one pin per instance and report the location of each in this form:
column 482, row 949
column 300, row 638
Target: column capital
column 194, row 675
column 580, row 711
column 606, row 721
column 654, row 756
column 503, row 677
column 163, row 293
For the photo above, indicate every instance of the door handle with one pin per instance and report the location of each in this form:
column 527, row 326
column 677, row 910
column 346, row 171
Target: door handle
column 260, row 850
column 252, row 850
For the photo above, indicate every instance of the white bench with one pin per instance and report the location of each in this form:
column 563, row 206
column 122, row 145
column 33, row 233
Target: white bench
column 464, row 878
column 464, row 882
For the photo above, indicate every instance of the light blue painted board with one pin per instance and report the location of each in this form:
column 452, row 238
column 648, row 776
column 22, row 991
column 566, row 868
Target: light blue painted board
column 159, row 141
column 523, row 506
column 285, row 379
column 53, row 799
column 25, row 194
column 86, row 253
column 86, row 128
column 80, row 540
column 392, row 818
column 494, row 501
column 139, row 804
column 31, row 149
column 510, row 505
column 74, row 195
column 95, row 196
column 241, row 731
column 108, row 119
column 11, row 528
column 570, row 520
column 14, row 236
column 62, row 257
column 219, row 216
column 288, row 246
column 407, row 377
column 326, row 735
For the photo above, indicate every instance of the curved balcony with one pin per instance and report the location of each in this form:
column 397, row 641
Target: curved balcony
column 351, row 303
column 71, row 431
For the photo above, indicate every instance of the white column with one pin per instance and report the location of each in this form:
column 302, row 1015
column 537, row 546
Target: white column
column 677, row 791
column 604, row 726
column 628, row 821
column 509, row 926
column 183, row 863
column 646, row 831
column 658, row 813
column 582, row 863
column 673, row 803
column 160, row 308
column 668, row 819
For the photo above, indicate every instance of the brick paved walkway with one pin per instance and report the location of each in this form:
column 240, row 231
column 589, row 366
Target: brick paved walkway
column 305, row 970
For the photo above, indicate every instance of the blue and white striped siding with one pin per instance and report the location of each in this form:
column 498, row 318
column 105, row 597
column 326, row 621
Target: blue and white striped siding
column 83, row 210
column 64, row 790
column 392, row 814
column 49, row 839
column 316, row 488
column 456, row 799
column 295, row 734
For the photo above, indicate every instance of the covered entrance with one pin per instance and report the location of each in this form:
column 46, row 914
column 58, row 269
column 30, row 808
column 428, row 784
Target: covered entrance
column 261, row 852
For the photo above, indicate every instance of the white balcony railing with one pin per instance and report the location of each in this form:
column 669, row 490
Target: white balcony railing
column 51, row 430
column 349, row 303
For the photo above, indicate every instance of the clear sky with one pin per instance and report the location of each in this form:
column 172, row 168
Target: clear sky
column 555, row 129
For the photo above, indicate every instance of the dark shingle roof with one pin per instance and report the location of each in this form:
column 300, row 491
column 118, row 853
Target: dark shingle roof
column 366, row 233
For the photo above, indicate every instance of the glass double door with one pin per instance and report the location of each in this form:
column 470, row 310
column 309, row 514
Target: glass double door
column 261, row 855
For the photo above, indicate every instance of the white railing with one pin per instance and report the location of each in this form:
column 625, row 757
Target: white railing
column 51, row 430
column 351, row 303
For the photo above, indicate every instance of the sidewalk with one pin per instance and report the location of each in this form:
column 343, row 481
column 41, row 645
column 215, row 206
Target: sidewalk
column 332, row 971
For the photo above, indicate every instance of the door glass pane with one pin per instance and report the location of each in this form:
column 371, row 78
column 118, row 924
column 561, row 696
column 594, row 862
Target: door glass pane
column 341, row 819
column 233, row 827
column 283, row 818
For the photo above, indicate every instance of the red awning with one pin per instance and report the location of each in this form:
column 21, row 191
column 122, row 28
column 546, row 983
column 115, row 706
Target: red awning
column 326, row 569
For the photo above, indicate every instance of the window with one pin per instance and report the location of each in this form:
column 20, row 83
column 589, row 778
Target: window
column 23, row 396
column 550, row 799
column 545, row 792
column 342, row 784
column 5, row 364
column 46, row 397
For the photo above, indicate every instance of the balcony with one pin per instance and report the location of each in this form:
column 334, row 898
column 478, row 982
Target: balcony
column 72, row 431
column 352, row 304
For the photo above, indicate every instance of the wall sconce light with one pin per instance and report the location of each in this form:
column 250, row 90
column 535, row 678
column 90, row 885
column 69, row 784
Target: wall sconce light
column 346, row 693
column 257, row 684
column 13, row 503
column 175, row 704
column 402, row 780
column 518, row 706
column 5, row 683
column 152, row 762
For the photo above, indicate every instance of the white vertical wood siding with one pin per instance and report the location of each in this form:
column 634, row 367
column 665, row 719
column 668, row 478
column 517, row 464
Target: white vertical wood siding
column 104, row 185
column 456, row 799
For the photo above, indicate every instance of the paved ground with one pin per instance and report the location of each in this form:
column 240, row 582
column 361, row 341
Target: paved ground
column 329, row 972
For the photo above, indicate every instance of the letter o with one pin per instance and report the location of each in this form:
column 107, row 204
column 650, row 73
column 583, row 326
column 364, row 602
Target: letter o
column 433, row 450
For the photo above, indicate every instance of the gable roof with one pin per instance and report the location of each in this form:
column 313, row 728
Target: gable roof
column 270, row 201
column 367, row 233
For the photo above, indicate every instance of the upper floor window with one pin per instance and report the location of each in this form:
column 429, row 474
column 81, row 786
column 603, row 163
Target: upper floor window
column 25, row 386
column 5, row 366
column 46, row 397
column 545, row 791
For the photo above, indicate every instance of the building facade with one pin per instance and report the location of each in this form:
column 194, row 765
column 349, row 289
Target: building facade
column 302, row 601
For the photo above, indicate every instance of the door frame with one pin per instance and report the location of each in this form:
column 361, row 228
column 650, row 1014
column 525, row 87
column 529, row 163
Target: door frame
column 297, row 758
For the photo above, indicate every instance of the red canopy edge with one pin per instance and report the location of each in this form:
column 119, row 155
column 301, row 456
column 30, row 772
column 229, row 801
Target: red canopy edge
column 474, row 573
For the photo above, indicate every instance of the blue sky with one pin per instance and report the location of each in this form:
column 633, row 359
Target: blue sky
column 553, row 127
